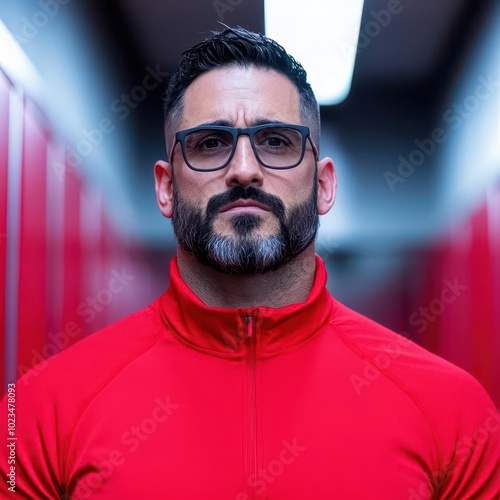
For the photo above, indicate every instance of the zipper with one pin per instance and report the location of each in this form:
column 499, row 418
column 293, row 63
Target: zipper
column 252, row 410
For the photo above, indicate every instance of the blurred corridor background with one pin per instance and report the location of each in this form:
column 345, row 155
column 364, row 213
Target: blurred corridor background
column 413, row 240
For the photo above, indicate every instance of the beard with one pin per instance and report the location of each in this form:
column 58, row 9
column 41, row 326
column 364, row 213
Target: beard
column 245, row 252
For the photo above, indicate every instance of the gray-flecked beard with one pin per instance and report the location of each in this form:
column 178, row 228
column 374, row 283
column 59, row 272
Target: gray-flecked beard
column 245, row 252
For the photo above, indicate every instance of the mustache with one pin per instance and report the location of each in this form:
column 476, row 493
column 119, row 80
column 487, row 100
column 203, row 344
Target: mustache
column 236, row 193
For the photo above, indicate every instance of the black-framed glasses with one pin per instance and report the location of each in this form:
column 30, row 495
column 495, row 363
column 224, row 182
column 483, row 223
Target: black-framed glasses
column 275, row 145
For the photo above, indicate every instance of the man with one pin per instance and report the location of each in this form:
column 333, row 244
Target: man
column 246, row 379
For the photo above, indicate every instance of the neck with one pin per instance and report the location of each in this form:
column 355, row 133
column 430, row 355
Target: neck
column 289, row 284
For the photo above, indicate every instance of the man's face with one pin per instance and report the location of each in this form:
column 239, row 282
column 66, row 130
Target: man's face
column 244, row 218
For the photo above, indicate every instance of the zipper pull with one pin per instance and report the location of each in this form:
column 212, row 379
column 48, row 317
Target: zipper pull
column 249, row 326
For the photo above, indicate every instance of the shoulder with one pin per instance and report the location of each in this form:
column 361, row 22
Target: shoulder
column 437, row 387
column 54, row 398
column 462, row 422
column 97, row 356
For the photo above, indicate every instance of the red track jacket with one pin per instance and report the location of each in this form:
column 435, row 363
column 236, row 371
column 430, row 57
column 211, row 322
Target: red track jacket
column 309, row 401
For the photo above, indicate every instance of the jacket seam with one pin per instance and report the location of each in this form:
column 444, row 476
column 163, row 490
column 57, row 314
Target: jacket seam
column 357, row 351
column 99, row 388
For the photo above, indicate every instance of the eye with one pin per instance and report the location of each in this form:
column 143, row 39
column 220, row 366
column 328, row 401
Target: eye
column 212, row 143
column 272, row 138
column 276, row 141
column 208, row 141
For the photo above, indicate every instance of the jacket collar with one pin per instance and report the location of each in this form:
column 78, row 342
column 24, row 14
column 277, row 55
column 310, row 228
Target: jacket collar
column 227, row 332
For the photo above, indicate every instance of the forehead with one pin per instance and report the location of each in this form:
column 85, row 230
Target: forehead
column 241, row 97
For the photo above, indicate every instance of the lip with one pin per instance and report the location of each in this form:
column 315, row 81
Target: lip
column 244, row 206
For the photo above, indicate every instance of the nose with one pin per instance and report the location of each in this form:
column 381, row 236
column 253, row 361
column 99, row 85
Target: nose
column 244, row 168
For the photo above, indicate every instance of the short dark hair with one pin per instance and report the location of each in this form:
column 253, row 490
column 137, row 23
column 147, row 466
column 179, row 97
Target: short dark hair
column 238, row 47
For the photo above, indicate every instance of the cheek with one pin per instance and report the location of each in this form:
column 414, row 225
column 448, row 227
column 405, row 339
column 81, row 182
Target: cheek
column 195, row 190
column 293, row 190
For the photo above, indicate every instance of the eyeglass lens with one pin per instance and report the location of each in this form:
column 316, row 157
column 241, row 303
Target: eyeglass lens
column 278, row 147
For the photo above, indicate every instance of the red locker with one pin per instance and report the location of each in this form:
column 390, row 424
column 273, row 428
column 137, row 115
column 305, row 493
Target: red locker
column 482, row 299
column 4, row 157
column 72, row 256
column 32, row 304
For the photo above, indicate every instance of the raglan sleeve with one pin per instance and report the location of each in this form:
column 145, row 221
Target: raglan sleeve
column 29, row 433
column 471, row 469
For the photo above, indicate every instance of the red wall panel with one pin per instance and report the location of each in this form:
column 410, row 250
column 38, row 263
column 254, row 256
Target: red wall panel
column 55, row 260
column 32, row 243
column 456, row 322
column 467, row 332
column 481, row 299
column 494, row 242
column 4, row 148
column 72, row 251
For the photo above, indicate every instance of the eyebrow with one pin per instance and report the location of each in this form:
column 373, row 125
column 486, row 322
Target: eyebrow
column 227, row 123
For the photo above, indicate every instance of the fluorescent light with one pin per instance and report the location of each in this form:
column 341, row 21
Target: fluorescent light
column 322, row 36
column 17, row 65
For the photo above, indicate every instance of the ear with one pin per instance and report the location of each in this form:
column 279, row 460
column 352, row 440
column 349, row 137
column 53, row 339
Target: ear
column 163, row 187
column 327, row 185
